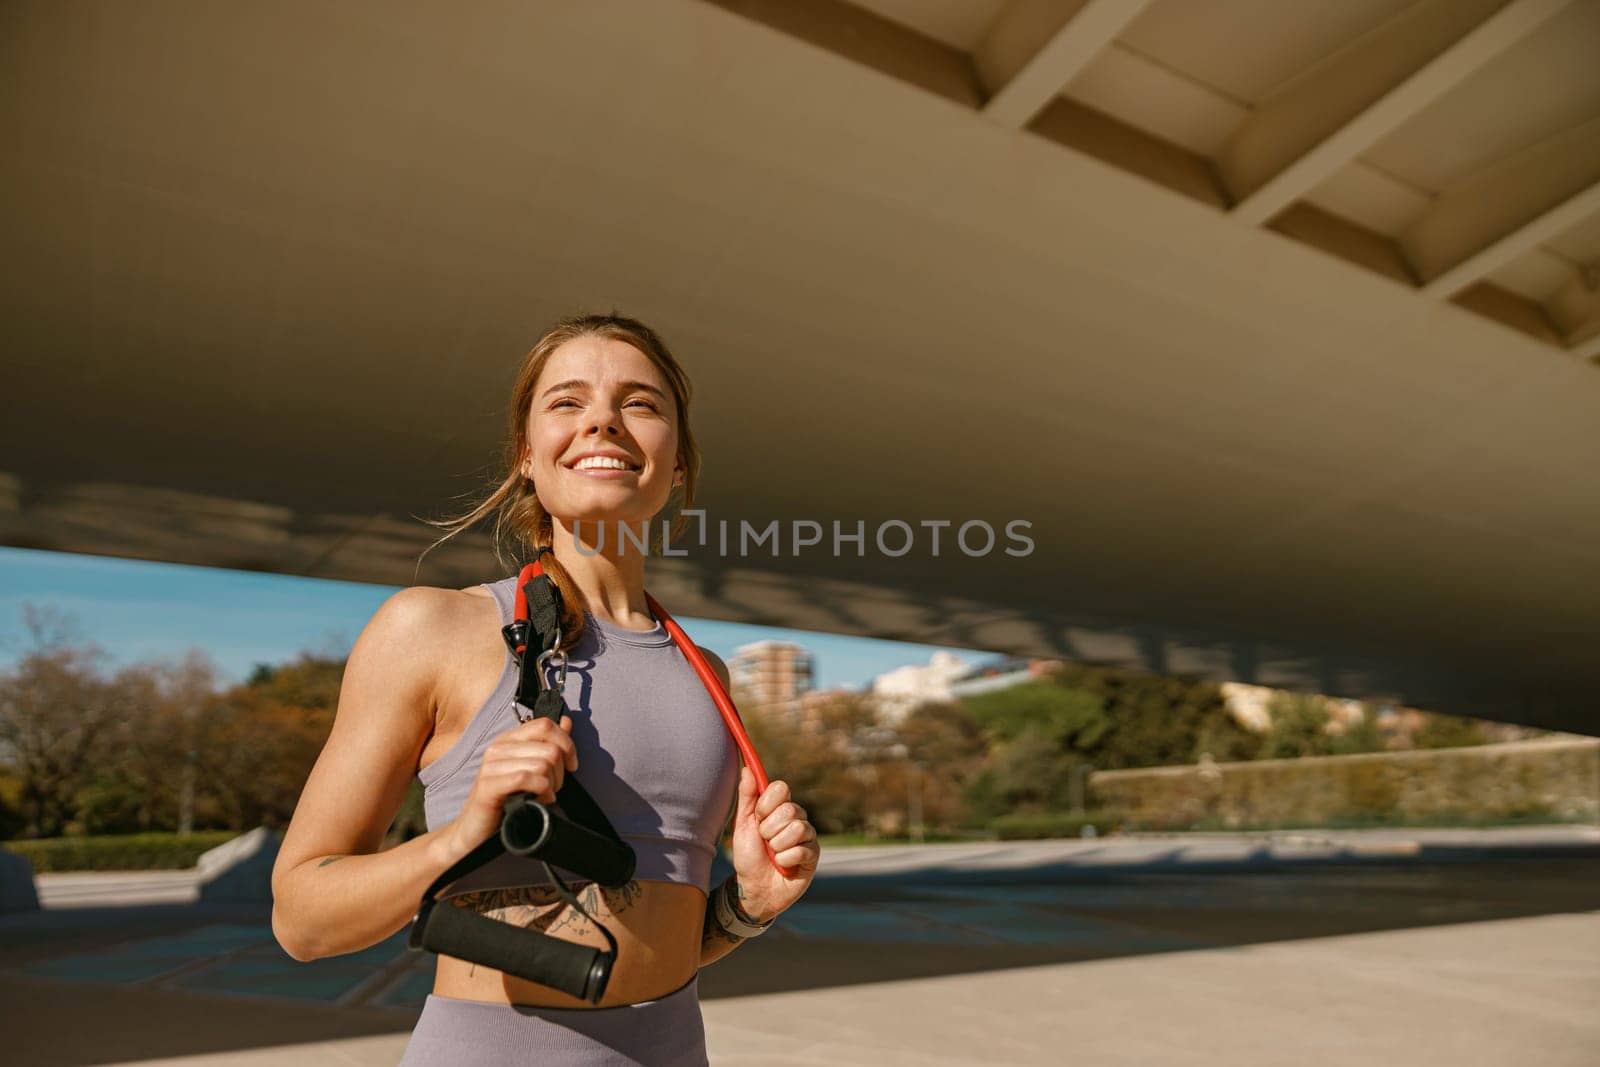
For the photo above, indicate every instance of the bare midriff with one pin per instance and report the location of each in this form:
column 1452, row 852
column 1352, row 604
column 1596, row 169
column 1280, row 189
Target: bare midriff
column 658, row 925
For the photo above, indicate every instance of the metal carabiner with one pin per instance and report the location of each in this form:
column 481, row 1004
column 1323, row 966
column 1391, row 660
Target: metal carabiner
column 544, row 658
column 553, row 653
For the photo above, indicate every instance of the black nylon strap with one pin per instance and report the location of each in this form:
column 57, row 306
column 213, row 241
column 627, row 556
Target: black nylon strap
column 544, row 614
column 544, row 608
column 549, row 704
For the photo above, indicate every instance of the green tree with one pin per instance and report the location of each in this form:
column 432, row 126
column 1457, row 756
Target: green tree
column 1035, row 734
column 148, row 778
column 983, row 797
column 1299, row 727
column 1448, row 731
column 258, row 745
column 1156, row 720
column 309, row 681
column 1071, row 719
column 1224, row 740
column 54, row 708
column 814, row 755
column 12, row 821
column 1033, row 772
column 948, row 743
column 1362, row 735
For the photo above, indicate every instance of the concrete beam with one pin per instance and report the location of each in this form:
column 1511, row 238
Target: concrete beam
column 1479, row 225
column 1575, row 307
column 1340, row 108
column 1037, row 46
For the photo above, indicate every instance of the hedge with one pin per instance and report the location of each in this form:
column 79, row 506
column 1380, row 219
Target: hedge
column 1558, row 778
column 119, row 852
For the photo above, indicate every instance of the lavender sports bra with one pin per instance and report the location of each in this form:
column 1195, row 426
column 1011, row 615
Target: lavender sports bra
column 653, row 752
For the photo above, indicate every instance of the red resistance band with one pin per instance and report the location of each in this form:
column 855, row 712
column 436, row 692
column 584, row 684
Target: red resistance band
column 713, row 684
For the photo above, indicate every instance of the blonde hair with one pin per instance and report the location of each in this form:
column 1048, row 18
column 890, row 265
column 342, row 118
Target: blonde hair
column 519, row 515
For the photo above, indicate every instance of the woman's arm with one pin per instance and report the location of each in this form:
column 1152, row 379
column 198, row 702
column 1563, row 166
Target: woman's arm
column 332, row 890
column 715, row 942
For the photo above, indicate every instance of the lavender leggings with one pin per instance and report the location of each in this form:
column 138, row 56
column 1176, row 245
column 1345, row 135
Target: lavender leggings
column 665, row 1032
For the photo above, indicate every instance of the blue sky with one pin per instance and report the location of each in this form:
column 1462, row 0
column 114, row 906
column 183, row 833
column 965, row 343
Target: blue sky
column 137, row 610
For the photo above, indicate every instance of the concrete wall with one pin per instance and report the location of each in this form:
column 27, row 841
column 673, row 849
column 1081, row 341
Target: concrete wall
column 1559, row 776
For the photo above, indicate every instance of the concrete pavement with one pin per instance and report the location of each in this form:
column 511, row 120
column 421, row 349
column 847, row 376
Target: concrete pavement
column 1407, row 947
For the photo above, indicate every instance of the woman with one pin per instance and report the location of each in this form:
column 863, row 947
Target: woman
column 599, row 441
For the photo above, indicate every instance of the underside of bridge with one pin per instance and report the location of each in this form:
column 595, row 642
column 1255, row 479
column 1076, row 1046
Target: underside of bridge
column 1275, row 322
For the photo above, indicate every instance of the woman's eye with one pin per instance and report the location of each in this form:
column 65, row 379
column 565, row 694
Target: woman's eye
column 569, row 400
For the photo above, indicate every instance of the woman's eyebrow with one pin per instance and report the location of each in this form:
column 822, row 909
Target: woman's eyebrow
column 579, row 383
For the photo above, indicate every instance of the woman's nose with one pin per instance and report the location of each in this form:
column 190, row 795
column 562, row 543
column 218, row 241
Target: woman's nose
column 603, row 421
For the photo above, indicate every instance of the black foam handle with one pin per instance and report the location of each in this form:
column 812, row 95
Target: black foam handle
column 578, row 970
column 530, row 827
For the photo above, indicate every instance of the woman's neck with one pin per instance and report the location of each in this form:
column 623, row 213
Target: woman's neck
column 610, row 577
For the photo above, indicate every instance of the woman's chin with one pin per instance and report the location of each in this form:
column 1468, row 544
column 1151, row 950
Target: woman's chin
column 590, row 520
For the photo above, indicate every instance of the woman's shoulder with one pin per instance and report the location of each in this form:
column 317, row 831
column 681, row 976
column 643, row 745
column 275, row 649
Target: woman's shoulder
column 436, row 611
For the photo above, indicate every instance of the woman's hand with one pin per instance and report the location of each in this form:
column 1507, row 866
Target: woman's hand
column 763, row 892
column 530, row 758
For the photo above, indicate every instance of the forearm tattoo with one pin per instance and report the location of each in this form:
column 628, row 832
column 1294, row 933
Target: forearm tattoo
column 540, row 907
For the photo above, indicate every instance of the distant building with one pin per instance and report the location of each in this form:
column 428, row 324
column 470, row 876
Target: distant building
column 774, row 674
column 1001, row 674
column 947, row 677
column 896, row 692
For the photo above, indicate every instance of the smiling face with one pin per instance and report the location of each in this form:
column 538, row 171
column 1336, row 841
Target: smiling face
column 600, row 397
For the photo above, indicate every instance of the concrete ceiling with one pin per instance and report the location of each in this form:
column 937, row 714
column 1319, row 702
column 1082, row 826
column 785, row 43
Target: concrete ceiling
column 1277, row 329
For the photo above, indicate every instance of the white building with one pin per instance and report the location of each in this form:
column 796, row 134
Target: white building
column 898, row 691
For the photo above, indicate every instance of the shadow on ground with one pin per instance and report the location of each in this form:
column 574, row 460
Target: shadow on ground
column 102, row 985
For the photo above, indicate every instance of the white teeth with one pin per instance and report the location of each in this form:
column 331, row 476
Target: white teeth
column 607, row 462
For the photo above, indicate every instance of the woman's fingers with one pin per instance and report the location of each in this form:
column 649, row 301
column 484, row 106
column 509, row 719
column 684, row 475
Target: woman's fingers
column 525, row 750
column 502, row 783
column 781, row 817
column 503, row 779
column 532, row 758
column 792, row 834
column 784, row 826
column 777, row 792
column 542, row 731
column 537, row 767
column 801, row 855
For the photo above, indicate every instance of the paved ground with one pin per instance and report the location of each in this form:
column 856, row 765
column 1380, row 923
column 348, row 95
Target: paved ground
column 1458, row 947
